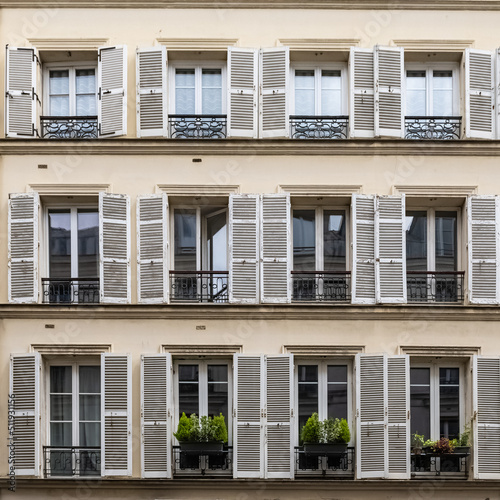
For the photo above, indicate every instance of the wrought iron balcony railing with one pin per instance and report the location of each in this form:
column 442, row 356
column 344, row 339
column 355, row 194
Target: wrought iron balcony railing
column 435, row 286
column 321, row 286
column 318, row 127
column 70, row 290
column 71, row 461
column 68, row 127
column 198, row 126
column 333, row 465
column 433, row 127
column 199, row 286
column 453, row 464
column 203, row 463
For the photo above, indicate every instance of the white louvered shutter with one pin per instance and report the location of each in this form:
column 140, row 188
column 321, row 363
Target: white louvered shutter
column 248, row 427
column 114, row 248
column 496, row 86
column 483, row 217
column 243, row 83
column 156, row 420
column 363, row 249
column 389, row 82
column 244, row 219
column 116, row 408
column 152, row 249
column 486, row 408
column 22, row 100
column 25, row 388
column 275, row 270
column 112, row 81
column 479, row 94
column 390, row 250
column 361, row 93
column 23, row 248
column 280, row 457
column 274, row 76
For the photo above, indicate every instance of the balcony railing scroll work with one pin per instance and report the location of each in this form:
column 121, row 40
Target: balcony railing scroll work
column 321, row 286
column 199, row 286
column 197, row 126
column 68, row 127
column 433, row 127
column 325, row 464
column 201, row 462
column 435, row 286
column 70, row 290
column 318, row 127
column 455, row 465
column 71, row 461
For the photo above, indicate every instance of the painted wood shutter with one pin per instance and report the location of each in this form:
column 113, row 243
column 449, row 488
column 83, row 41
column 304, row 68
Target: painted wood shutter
column 363, row 249
column 276, row 257
column 243, row 84
column 390, row 248
column 483, row 217
column 112, row 81
column 479, row 94
column 152, row 92
column 156, row 418
column 486, row 408
column 152, row 248
column 25, row 388
column 274, row 76
column 23, row 248
column 389, row 83
column 21, row 96
column 244, row 248
column 361, row 93
column 116, row 433
column 114, row 248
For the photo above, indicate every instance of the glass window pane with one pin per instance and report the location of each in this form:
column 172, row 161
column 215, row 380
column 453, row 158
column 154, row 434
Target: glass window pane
column 337, row 373
column 90, row 434
column 60, row 244
column 185, row 91
column 337, row 400
column 416, row 241
column 420, row 376
column 90, row 407
column 211, row 93
column 442, row 84
column 86, row 105
column 446, row 241
column 85, row 81
column 334, row 240
column 188, row 398
column 59, row 106
column 59, row 82
column 217, row 373
column 61, row 434
column 416, row 93
column 185, row 240
column 60, row 379
column 305, row 92
column 188, row 373
column 217, row 242
column 308, row 373
column 308, row 392
column 331, row 93
column 217, row 400
column 88, row 243
column 420, row 401
column 304, row 240
column 449, row 402
column 61, row 407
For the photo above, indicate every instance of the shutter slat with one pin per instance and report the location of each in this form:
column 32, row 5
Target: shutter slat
column 362, row 93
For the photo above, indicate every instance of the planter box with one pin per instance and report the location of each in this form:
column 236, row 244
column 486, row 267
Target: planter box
column 325, row 448
column 462, row 450
column 202, row 447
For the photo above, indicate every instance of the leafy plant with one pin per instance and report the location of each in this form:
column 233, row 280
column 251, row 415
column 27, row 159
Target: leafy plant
column 194, row 429
column 344, row 433
column 443, row 447
column 219, row 428
column 417, row 440
column 311, row 431
column 464, row 438
column 429, row 442
column 183, row 429
column 326, row 431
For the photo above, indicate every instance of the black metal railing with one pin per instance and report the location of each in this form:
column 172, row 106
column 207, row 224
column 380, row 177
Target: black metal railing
column 68, row 127
column 201, row 463
column 321, row 286
column 433, row 127
column 318, row 127
column 435, row 286
column 71, row 461
column 453, row 464
column 198, row 126
column 199, row 286
column 313, row 464
column 70, row 290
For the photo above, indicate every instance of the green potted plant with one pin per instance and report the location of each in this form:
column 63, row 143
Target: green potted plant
column 204, row 434
column 417, row 443
column 427, row 446
column 462, row 444
column 443, row 447
column 327, row 437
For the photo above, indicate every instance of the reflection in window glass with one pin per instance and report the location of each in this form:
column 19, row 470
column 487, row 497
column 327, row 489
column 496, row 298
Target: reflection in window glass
column 416, row 241
column 188, row 389
column 334, row 251
column 337, row 391
column 446, row 241
column 60, row 243
column 420, row 401
column 185, row 240
column 304, row 240
column 88, row 243
column 449, row 402
column 308, row 392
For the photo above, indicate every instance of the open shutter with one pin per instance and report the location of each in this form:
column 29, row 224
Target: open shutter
column 152, row 249
column 116, row 434
column 244, row 248
column 389, row 72
column 479, row 94
column 274, row 75
column 390, row 250
column 156, row 423
column 486, row 407
column 280, row 457
column 151, row 78
column 362, row 93
column 25, row 389
column 248, row 428
column 483, row 217
column 275, row 249
column 112, row 81
column 363, row 249
column 242, row 107
column 114, row 248
column 23, row 247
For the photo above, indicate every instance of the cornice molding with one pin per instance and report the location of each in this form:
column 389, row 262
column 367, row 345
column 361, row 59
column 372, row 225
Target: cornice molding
column 323, row 350
column 318, row 190
column 201, row 349
column 434, row 45
column 319, row 44
column 67, row 43
column 69, row 189
column 436, row 191
column 447, row 351
column 196, row 189
column 197, row 43
column 71, row 349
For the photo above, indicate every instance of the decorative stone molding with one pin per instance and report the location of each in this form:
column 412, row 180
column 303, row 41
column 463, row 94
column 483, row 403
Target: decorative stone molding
column 435, row 191
column 444, row 351
column 68, row 43
column 319, row 44
column 196, row 189
column 201, row 350
column 323, row 350
column 69, row 189
column 434, row 45
column 197, row 43
column 71, row 349
column 319, row 190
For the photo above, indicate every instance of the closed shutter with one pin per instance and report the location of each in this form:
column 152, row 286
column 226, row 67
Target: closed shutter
column 244, row 248
column 21, row 97
column 389, row 71
column 479, row 94
column 151, row 92
column 23, row 248
column 486, row 407
column 362, row 93
column 243, row 83
column 156, row 419
column 112, row 81
column 483, row 218
column 275, row 249
column 274, row 75
column 152, row 250
column 390, row 248
column 24, row 388
column 114, row 248
column 363, row 248
column 116, row 434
